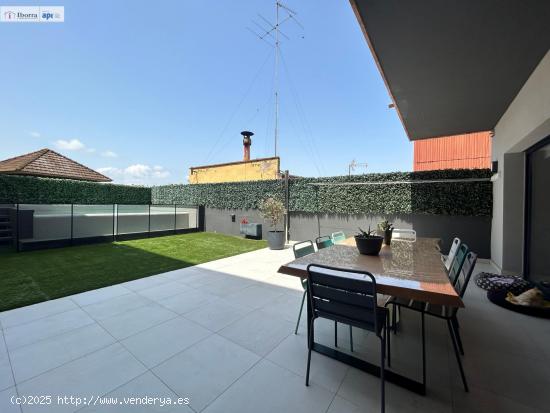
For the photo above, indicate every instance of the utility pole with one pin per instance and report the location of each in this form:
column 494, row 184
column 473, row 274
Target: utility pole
column 276, row 74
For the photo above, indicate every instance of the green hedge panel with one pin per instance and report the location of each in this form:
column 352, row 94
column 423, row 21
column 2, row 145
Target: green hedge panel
column 388, row 196
column 33, row 190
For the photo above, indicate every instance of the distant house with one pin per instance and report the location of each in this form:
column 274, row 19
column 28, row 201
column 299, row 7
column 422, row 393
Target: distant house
column 466, row 151
column 50, row 164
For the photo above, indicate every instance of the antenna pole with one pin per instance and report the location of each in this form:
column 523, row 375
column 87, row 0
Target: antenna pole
column 276, row 74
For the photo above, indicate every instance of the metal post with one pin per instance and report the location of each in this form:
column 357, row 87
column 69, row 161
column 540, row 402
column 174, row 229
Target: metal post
column 116, row 231
column 114, row 205
column 175, row 217
column 149, row 222
column 287, row 208
column 17, row 229
column 72, row 223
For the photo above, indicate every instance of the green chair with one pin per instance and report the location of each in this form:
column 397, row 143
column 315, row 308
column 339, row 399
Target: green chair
column 338, row 236
column 324, row 242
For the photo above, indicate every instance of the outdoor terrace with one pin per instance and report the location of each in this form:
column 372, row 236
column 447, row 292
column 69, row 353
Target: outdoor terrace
column 221, row 334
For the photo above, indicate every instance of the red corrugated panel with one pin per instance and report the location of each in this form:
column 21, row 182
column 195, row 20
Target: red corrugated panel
column 467, row 151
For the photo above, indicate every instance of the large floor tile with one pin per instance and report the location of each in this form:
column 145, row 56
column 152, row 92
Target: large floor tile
column 142, row 388
column 115, row 306
column 160, row 342
column 6, row 375
column 40, row 329
column 95, row 374
column 286, row 306
column 258, row 332
column 146, row 282
column 229, row 284
column 268, row 388
column 95, row 296
column 205, row 370
column 7, row 401
column 217, row 314
column 341, row 405
column 255, row 296
column 136, row 320
column 34, row 359
column 159, row 292
column 292, row 355
column 33, row 312
column 187, row 301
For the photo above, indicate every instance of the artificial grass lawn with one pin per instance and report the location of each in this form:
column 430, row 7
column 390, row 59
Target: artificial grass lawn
column 35, row 276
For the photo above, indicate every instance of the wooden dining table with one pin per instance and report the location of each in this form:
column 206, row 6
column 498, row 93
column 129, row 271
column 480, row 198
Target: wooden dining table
column 404, row 269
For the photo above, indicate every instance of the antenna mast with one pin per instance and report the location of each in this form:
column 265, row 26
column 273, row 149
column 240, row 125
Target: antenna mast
column 276, row 74
column 266, row 35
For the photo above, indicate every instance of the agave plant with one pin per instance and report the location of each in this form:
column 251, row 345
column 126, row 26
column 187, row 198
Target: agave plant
column 366, row 234
column 385, row 226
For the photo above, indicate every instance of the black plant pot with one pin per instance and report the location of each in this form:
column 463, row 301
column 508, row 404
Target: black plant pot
column 387, row 236
column 370, row 245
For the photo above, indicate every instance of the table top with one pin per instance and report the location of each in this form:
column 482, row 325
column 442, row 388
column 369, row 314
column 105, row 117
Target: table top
column 411, row 270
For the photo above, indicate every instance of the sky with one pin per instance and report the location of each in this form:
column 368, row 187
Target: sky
column 143, row 90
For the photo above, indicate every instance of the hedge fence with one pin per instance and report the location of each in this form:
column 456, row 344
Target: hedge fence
column 458, row 192
column 446, row 192
column 33, row 190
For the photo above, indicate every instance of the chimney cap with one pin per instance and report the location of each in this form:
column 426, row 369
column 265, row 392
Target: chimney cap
column 246, row 133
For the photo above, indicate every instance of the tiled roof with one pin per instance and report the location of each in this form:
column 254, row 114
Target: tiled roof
column 48, row 163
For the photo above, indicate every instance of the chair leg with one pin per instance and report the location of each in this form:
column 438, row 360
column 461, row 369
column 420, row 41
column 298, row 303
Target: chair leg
column 394, row 318
column 423, row 350
column 454, row 323
column 335, row 334
column 300, row 313
column 387, row 335
column 351, row 338
column 451, row 332
column 382, row 378
column 309, row 346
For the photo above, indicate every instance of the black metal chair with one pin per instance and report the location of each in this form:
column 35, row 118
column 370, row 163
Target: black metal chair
column 301, row 249
column 449, row 314
column 349, row 297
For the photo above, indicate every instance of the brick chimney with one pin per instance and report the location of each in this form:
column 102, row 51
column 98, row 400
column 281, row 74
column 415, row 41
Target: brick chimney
column 247, row 141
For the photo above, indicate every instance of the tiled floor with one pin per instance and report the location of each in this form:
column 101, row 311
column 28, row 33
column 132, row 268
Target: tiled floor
column 221, row 334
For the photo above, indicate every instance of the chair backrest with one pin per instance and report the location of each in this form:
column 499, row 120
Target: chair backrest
column 338, row 236
column 465, row 273
column 404, row 234
column 452, row 253
column 323, row 242
column 343, row 295
column 303, row 248
column 458, row 261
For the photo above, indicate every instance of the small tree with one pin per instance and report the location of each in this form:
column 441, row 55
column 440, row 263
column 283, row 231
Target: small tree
column 272, row 210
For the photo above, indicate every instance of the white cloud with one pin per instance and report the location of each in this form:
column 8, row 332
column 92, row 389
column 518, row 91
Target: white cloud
column 136, row 174
column 69, row 145
column 109, row 154
column 35, row 134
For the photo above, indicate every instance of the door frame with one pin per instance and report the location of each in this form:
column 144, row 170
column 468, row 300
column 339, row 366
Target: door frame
column 528, row 207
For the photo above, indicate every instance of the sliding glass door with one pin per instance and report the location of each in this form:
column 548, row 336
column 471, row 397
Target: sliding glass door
column 537, row 251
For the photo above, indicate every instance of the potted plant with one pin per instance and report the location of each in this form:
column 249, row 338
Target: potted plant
column 385, row 229
column 272, row 210
column 368, row 243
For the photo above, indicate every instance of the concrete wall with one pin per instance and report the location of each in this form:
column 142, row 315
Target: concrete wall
column 475, row 231
column 526, row 122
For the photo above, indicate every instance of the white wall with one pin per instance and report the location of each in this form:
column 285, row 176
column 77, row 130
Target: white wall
column 525, row 122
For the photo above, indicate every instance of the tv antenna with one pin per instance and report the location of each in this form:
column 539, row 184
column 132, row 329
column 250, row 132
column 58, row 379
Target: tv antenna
column 353, row 165
column 270, row 33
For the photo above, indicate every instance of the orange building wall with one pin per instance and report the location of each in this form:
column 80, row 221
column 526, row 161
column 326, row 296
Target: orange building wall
column 468, row 151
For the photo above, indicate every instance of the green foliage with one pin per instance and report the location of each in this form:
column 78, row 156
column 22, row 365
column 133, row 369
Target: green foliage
column 385, row 225
column 33, row 190
column 367, row 234
column 229, row 195
column 272, row 210
column 387, row 193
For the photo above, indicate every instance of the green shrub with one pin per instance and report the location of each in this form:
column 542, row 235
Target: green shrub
column 33, row 190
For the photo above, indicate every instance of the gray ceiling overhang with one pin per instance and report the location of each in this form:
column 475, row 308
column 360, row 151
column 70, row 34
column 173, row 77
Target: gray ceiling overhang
column 454, row 66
